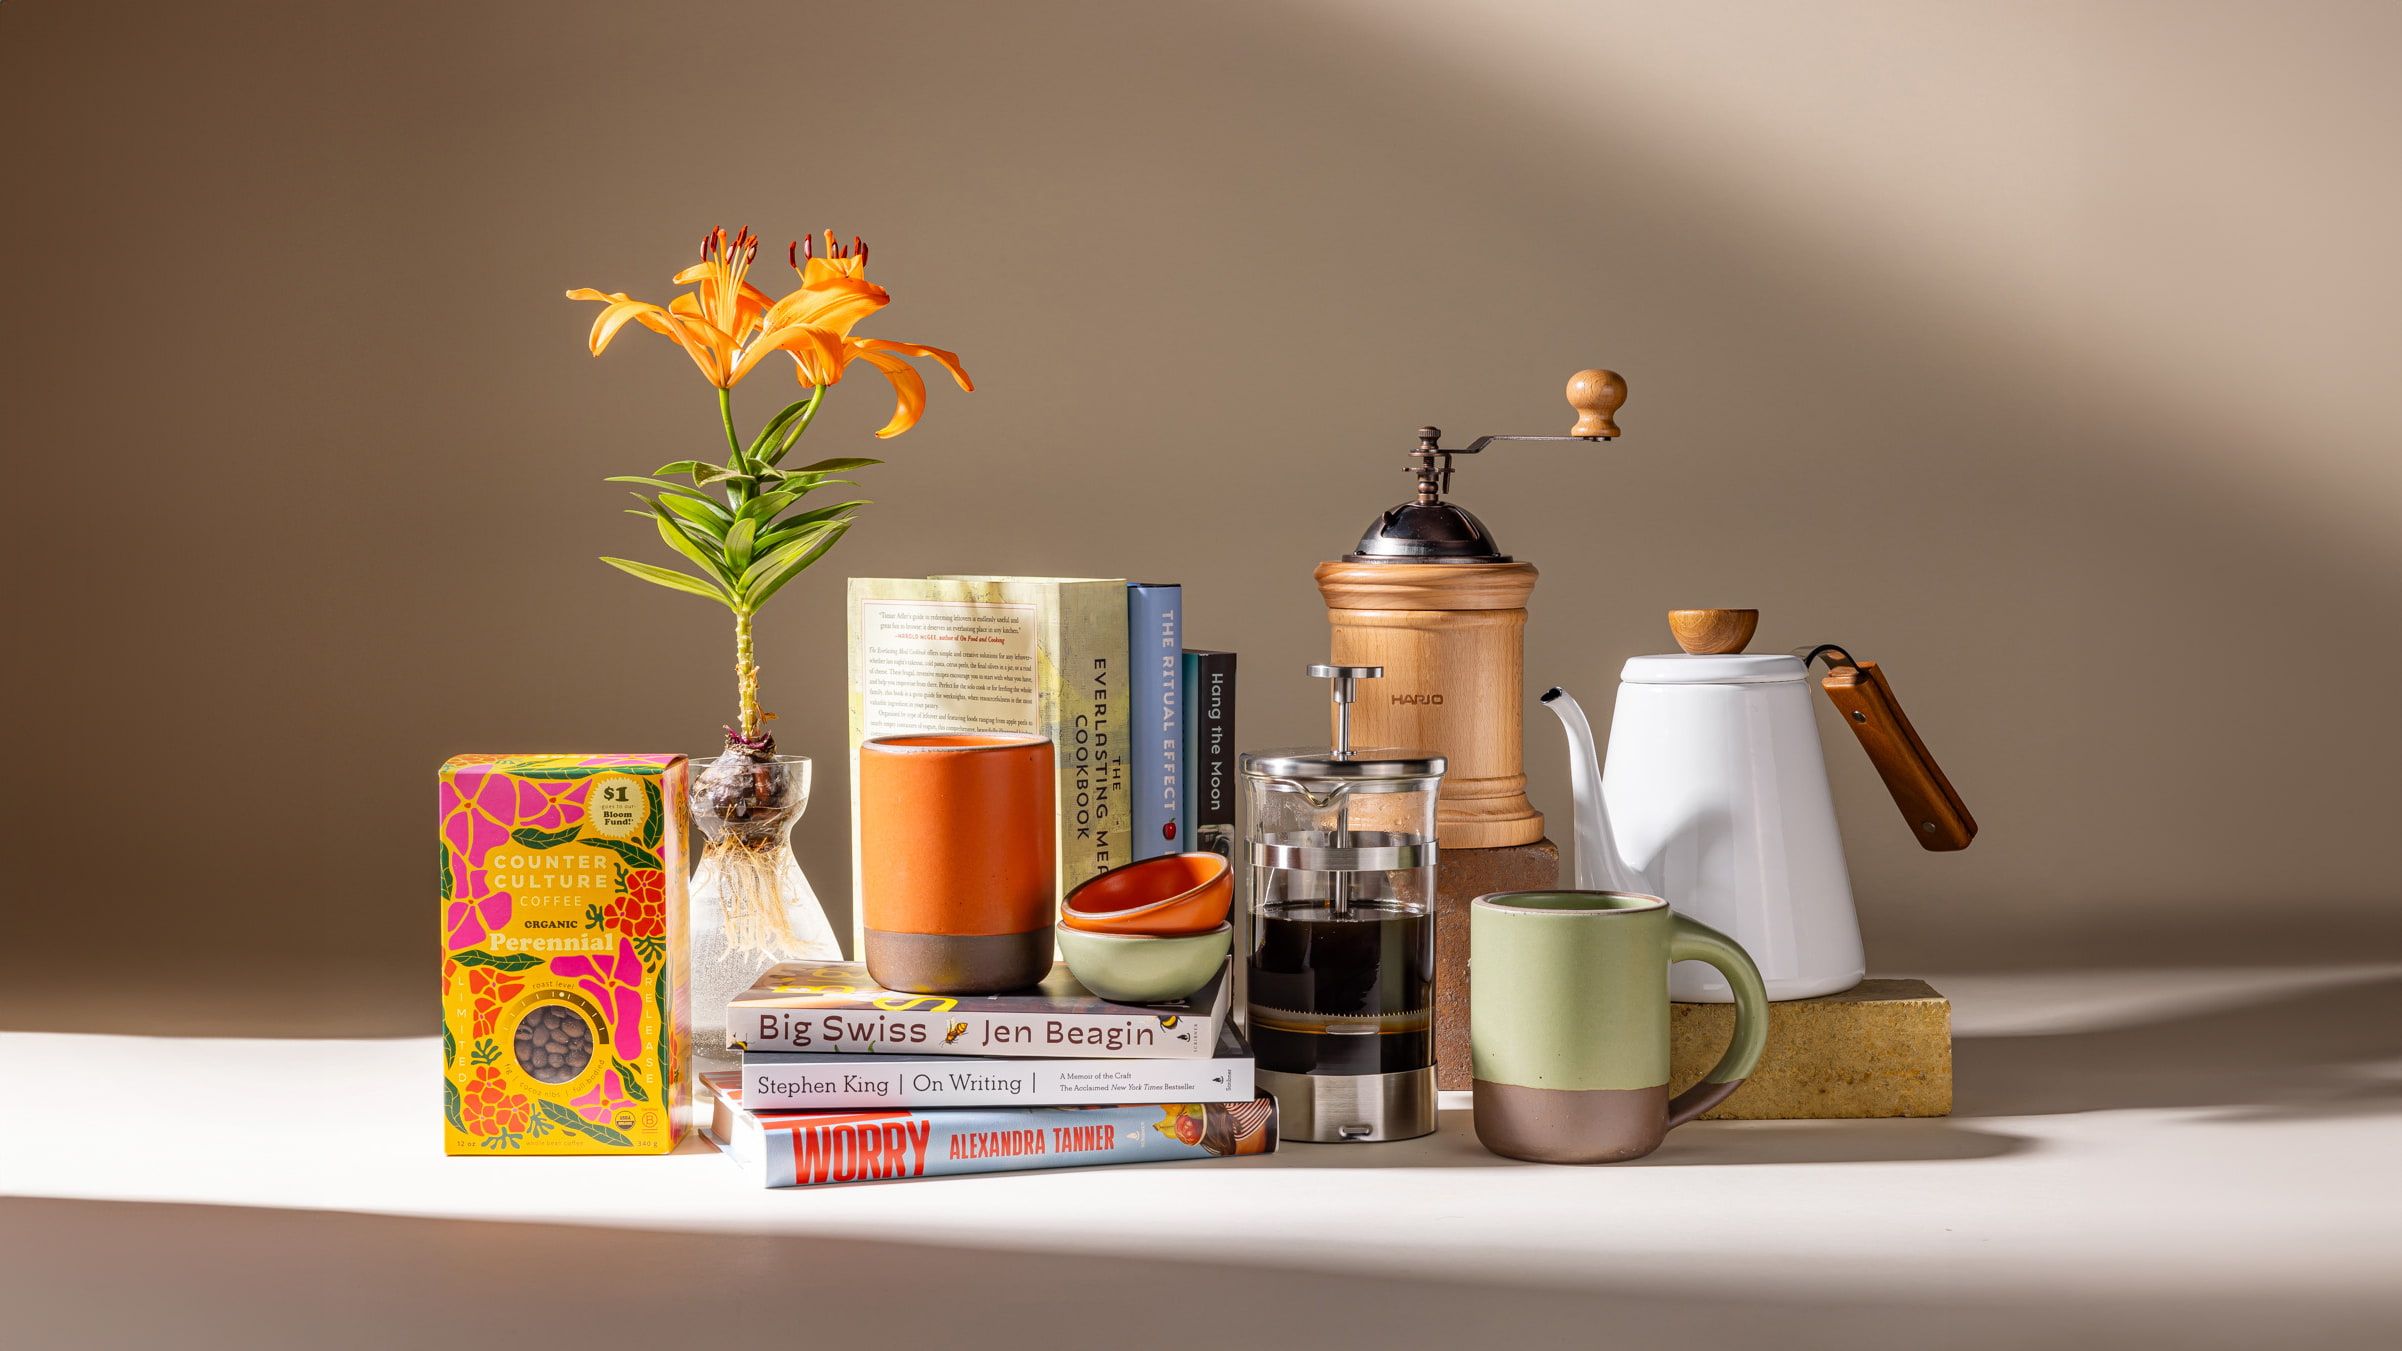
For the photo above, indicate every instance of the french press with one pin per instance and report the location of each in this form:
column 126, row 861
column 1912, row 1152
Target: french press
column 1341, row 954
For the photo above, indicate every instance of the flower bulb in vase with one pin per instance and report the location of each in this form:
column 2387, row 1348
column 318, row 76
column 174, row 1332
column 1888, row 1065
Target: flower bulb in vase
column 752, row 906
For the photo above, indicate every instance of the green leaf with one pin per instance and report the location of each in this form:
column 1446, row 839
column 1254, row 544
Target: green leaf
column 447, row 881
column 450, row 1105
column 792, row 433
column 721, row 475
column 654, row 821
column 773, row 432
column 756, row 593
column 485, row 1053
column 836, row 466
column 739, row 539
column 669, row 578
column 792, row 526
column 577, row 772
column 635, row 855
column 764, row 507
column 543, row 839
column 450, row 1045
column 515, row 961
column 698, row 548
column 685, row 467
column 699, row 510
column 787, row 548
column 568, row 1117
column 631, row 1078
column 675, row 490
column 702, row 528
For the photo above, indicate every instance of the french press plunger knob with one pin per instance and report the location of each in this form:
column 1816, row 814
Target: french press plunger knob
column 1343, row 682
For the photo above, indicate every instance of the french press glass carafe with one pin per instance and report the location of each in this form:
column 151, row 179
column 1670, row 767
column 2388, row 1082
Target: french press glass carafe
column 1341, row 954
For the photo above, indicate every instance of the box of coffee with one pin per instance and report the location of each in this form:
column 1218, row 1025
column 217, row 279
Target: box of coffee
column 566, row 1025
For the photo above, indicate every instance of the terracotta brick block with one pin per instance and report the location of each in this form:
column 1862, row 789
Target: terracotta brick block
column 1462, row 876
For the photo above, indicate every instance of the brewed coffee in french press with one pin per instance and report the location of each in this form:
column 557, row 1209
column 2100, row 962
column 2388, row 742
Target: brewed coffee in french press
column 1341, row 953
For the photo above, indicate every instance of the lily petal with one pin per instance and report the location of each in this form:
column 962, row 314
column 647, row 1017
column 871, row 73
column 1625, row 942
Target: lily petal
column 615, row 318
column 819, row 353
column 821, row 272
column 836, row 306
column 948, row 360
column 704, row 354
column 907, row 384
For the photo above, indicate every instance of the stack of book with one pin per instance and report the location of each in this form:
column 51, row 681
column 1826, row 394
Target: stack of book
column 1143, row 727
column 843, row 1081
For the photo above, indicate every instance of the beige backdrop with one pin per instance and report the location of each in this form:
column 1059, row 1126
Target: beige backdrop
column 2043, row 352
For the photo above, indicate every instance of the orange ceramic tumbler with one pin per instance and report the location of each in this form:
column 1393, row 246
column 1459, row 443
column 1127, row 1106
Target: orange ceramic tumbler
column 958, row 839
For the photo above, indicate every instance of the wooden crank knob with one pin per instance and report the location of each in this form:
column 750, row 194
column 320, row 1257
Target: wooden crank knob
column 1595, row 395
column 1712, row 632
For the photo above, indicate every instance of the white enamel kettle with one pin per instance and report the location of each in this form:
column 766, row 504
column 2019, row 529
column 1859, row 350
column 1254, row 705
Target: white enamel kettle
column 1717, row 799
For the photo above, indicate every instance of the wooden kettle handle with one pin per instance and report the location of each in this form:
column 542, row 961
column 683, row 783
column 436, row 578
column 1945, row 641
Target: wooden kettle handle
column 1935, row 812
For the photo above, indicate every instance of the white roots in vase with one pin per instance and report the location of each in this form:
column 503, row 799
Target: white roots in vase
column 752, row 908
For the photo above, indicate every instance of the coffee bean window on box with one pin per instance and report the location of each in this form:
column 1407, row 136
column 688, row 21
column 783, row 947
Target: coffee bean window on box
column 566, row 1025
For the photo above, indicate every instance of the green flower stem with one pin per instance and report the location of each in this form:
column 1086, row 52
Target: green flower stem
column 746, row 675
column 800, row 424
column 725, row 414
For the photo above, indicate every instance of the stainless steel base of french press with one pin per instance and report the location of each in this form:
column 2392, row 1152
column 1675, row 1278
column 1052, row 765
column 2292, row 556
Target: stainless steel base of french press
column 1352, row 1108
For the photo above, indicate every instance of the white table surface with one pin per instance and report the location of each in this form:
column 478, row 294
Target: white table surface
column 2176, row 1157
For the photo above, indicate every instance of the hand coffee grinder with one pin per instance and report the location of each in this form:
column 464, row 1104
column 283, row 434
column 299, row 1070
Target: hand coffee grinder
column 1429, row 596
column 1340, row 951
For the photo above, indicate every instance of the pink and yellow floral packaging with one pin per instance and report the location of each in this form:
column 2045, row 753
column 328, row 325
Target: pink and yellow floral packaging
column 566, row 1025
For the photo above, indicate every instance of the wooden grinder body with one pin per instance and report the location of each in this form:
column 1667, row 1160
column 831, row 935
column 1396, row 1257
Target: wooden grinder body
column 1452, row 640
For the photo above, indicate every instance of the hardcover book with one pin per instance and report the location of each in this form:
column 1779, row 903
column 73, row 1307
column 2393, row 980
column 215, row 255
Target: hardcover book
column 808, row 1149
column 1029, row 655
column 1155, row 760
column 836, row 1007
column 1209, row 774
column 820, row 1080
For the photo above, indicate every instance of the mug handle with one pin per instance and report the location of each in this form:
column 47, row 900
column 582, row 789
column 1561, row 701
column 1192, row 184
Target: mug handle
column 1693, row 941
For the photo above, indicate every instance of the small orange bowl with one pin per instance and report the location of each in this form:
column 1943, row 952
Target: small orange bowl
column 1166, row 896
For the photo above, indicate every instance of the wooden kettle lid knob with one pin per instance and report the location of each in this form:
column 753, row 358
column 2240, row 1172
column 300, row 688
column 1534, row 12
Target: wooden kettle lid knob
column 1595, row 395
column 1712, row 632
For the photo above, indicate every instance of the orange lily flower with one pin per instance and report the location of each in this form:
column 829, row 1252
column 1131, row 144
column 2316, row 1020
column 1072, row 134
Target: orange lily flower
column 727, row 326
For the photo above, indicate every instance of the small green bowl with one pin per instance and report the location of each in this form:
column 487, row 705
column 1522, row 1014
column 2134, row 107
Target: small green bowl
column 1142, row 968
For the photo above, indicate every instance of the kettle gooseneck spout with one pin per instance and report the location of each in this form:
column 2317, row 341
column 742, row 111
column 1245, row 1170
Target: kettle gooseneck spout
column 1599, row 865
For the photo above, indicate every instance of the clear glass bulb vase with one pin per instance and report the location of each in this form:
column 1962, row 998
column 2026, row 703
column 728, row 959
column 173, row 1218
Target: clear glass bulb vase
column 752, row 907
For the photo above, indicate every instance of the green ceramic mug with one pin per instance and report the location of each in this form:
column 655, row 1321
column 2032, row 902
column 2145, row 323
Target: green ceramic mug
column 1568, row 1021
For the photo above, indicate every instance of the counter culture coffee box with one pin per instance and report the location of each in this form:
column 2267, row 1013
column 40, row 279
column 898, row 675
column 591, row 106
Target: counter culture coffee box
column 565, row 1021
